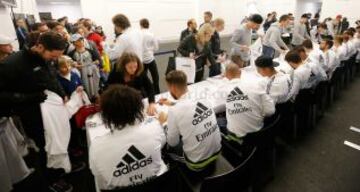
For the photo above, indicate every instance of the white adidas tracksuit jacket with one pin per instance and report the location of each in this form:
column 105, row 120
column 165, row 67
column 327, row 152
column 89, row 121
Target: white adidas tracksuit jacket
column 246, row 106
column 195, row 122
column 126, row 157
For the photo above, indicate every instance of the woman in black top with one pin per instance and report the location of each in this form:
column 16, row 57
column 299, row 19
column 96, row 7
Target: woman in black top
column 129, row 71
column 197, row 46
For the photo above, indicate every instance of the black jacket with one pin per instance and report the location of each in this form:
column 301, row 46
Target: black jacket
column 185, row 33
column 24, row 76
column 141, row 83
column 188, row 45
column 215, row 44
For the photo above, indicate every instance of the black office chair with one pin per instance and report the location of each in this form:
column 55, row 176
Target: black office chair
column 168, row 181
column 238, row 179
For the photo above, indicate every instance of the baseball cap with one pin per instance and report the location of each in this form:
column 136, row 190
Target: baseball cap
column 76, row 37
column 264, row 61
column 5, row 40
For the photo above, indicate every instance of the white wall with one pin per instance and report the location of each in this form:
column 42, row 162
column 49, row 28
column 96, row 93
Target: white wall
column 71, row 10
column 168, row 17
column 307, row 6
column 27, row 7
column 347, row 8
column 7, row 26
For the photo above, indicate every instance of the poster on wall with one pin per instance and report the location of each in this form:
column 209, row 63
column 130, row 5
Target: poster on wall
column 45, row 16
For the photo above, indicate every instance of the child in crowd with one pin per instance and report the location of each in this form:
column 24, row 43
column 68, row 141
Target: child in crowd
column 69, row 80
column 88, row 65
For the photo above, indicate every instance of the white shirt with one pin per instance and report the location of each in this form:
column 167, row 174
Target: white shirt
column 246, row 106
column 331, row 61
column 341, row 52
column 316, row 56
column 278, row 87
column 130, row 41
column 317, row 75
column 129, row 156
column 300, row 76
column 195, row 122
column 151, row 45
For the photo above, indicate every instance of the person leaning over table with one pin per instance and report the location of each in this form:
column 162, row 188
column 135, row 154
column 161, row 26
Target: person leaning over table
column 272, row 41
column 197, row 46
column 129, row 70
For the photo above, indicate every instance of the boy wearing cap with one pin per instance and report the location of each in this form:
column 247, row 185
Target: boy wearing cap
column 277, row 84
column 241, row 38
column 5, row 47
column 88, row 64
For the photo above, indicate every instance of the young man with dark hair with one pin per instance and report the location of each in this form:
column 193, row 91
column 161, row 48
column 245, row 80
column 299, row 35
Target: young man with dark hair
column 207, row 18
column 191, row 29
column 272, row 41
column 318, row 72
column 151, row 44
column 299, row 73
column 300, row 33
column 191, row 125
column 241, row 38
column 23, row 78
column 137, row 156
column 329, row 56
column 277, row 84
column 130, row 40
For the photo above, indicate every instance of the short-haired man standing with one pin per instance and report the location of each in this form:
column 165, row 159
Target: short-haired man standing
column 272, row 41
column 23, row 78
column 241, row 38
column 191, row 29
column 130, row 40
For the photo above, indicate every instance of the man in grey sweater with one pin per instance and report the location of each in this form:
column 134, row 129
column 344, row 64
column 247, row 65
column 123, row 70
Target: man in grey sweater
column 272, row 41
column 300, row 34
column 241, row 38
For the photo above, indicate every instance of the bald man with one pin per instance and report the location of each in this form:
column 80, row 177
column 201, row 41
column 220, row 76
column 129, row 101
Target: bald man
column 246, row 105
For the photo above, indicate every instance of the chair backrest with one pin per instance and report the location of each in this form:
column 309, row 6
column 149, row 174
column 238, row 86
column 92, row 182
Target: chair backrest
column 168, row 181
column 238, row 179
column 264, row 136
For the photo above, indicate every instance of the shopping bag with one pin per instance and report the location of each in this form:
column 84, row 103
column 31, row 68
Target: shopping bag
column 188, row 66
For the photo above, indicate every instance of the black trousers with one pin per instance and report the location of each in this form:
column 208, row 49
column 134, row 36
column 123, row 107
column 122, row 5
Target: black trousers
column 152, row 67
column 32, row 122
column 214, row 70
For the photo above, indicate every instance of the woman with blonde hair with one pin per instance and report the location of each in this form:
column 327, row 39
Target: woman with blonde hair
column 197, row 46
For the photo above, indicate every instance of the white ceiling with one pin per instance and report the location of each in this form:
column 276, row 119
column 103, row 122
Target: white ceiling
column 59, row 2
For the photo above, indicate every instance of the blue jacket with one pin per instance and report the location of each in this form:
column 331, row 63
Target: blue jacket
column 70, row 86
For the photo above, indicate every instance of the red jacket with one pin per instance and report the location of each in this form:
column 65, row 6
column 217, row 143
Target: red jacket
column 97, row 39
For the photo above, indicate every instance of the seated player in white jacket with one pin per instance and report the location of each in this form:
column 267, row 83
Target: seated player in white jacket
column 191, row 125
column 318, row 73
column 277, row 84
column 329, row 56
column 131, row 153
column 246, row 105
column 299, row 75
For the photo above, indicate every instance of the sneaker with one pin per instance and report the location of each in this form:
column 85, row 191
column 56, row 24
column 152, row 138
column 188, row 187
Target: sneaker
column 78, row 166
column 61, row 186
